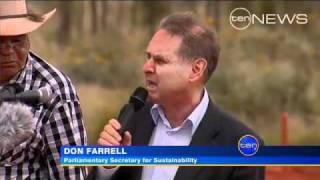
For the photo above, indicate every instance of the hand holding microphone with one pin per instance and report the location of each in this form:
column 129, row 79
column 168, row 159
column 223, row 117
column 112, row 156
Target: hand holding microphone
column 115, row 132
column 110, row 135
column 112, row 132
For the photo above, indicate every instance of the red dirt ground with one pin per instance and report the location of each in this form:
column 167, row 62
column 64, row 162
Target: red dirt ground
column 293, row 173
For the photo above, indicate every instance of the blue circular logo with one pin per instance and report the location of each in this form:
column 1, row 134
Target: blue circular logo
column 248, row 145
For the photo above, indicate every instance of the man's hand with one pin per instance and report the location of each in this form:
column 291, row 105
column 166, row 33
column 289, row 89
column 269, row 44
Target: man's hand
column 110, row 136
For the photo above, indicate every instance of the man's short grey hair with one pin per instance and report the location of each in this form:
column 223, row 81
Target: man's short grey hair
column 197, row 40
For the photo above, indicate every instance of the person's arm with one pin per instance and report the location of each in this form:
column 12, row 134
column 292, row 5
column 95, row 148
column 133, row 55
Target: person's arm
column 64, row 127
column 110, row 137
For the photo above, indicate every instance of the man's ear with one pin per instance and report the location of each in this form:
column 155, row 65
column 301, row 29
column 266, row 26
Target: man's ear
column 198, row 70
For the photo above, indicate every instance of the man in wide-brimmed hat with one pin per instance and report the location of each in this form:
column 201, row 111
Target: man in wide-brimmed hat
column 57, row 123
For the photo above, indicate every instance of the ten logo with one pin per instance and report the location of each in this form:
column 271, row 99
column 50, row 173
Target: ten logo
column 248, row 145
column 242, row 18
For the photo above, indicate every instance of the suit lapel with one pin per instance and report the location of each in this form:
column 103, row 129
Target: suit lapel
column 144, row 127
column 207, row 130
column 142, row 134
column 204, row 135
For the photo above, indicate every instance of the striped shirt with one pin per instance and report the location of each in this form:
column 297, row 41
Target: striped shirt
column 57, row 123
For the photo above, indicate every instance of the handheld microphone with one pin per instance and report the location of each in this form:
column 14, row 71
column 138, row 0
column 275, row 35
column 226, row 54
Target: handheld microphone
column 16, row 125
column 136, row 102
column 32, row 97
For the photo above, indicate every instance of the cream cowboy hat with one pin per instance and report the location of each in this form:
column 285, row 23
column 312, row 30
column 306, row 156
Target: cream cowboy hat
column 16, row 20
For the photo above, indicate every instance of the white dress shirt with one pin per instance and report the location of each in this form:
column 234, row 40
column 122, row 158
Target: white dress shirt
column 165, row 135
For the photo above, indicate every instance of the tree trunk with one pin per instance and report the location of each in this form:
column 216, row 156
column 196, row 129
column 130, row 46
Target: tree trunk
column 213, row 13
column 94, row 17
column 64, row 30
column 104, row 15
column 79, row 19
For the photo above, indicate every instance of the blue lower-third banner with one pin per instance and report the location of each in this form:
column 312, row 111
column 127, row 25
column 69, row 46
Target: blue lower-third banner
column 243, row 154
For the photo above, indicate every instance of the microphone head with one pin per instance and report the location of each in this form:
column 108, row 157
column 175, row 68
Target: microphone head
column 16, row 125
column 35, row 97
column 138, row 98
column 45, row 95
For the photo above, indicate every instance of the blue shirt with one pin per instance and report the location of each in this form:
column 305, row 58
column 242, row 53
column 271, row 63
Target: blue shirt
column 165, row 135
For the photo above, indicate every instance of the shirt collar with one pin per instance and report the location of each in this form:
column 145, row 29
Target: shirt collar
column 195, row 117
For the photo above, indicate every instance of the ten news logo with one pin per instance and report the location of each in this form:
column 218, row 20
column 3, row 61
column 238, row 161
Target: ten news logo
column 248, row 145
column 241, row 18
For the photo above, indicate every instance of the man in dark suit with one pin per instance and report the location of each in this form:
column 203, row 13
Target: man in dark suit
column 180, row 59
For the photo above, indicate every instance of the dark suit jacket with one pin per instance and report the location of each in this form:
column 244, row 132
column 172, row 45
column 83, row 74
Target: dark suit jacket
column 216, row 128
